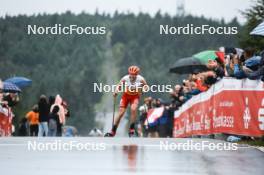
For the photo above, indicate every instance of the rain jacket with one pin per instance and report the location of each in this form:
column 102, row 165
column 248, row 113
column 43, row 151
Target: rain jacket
column 33, row 117
column 61, row 113
column 258, row 73
column 251, row 63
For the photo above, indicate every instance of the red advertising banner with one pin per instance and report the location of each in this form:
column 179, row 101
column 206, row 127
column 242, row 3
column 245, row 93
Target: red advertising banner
column 230, row 106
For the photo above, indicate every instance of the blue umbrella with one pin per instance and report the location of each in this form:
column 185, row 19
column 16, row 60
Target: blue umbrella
column 10, row 87
column 21, row 82
column 259, row 30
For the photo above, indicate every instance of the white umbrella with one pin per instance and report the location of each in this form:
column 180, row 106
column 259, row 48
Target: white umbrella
column 259, row 30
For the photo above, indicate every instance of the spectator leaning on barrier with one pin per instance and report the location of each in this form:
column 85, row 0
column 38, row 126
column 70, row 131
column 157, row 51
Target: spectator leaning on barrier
column 229, row 65
column 177, row 96
column 198, row 79
column 217, row 67
column 186, row 90
column 259, row 73
column 246, row 64
column 207, row 79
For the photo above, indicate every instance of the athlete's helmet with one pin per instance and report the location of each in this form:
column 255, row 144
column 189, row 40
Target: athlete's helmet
column 133, row 70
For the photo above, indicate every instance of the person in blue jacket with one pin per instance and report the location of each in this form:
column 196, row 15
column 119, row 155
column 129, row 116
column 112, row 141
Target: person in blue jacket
column 246, row 64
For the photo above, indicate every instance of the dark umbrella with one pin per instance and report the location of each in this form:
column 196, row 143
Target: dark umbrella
column 21, row 82
column 188, row 65
column 10, row 87
column 196, row 63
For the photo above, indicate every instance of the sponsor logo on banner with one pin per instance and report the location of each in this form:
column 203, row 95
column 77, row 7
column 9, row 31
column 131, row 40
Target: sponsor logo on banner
column 246, row 115
column 261, row 116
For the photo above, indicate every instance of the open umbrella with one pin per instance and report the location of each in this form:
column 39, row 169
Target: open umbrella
column 188, row 65
column 21, row 82
column 259, row 30
column 196, row 63
column 204, row 56
column 10, row 87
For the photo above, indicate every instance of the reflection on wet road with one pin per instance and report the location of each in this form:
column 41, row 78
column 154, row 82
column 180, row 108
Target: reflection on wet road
column 113, row 156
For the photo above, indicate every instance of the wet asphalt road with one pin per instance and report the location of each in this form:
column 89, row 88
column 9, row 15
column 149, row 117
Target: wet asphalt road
column 113, row 156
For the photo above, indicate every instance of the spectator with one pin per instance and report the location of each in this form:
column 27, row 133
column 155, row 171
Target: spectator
column 43, row 116
column 198, row 79
column 193, row 89
column 259, row 73
column 246, row 64
column 187, row 95
column 2, row 110
column 1, row 91
column 216, row 66
column 229, row 65
column 51, row 101
column 152, row 129
column 11, row 98
column 33, row 118
column 175, row 96
column 23, row 127
column 66, row 109
column 143, row 115
column 53, row 121
column 164, row 127
column 61, row 113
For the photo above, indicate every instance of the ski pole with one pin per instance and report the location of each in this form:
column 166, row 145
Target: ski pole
column 114, row 103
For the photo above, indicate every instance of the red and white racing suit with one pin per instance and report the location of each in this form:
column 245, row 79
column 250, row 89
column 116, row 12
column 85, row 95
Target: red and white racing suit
column 132, row 91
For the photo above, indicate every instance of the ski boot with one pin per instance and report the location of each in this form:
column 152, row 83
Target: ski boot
column 109, row 134
column 132, row 133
